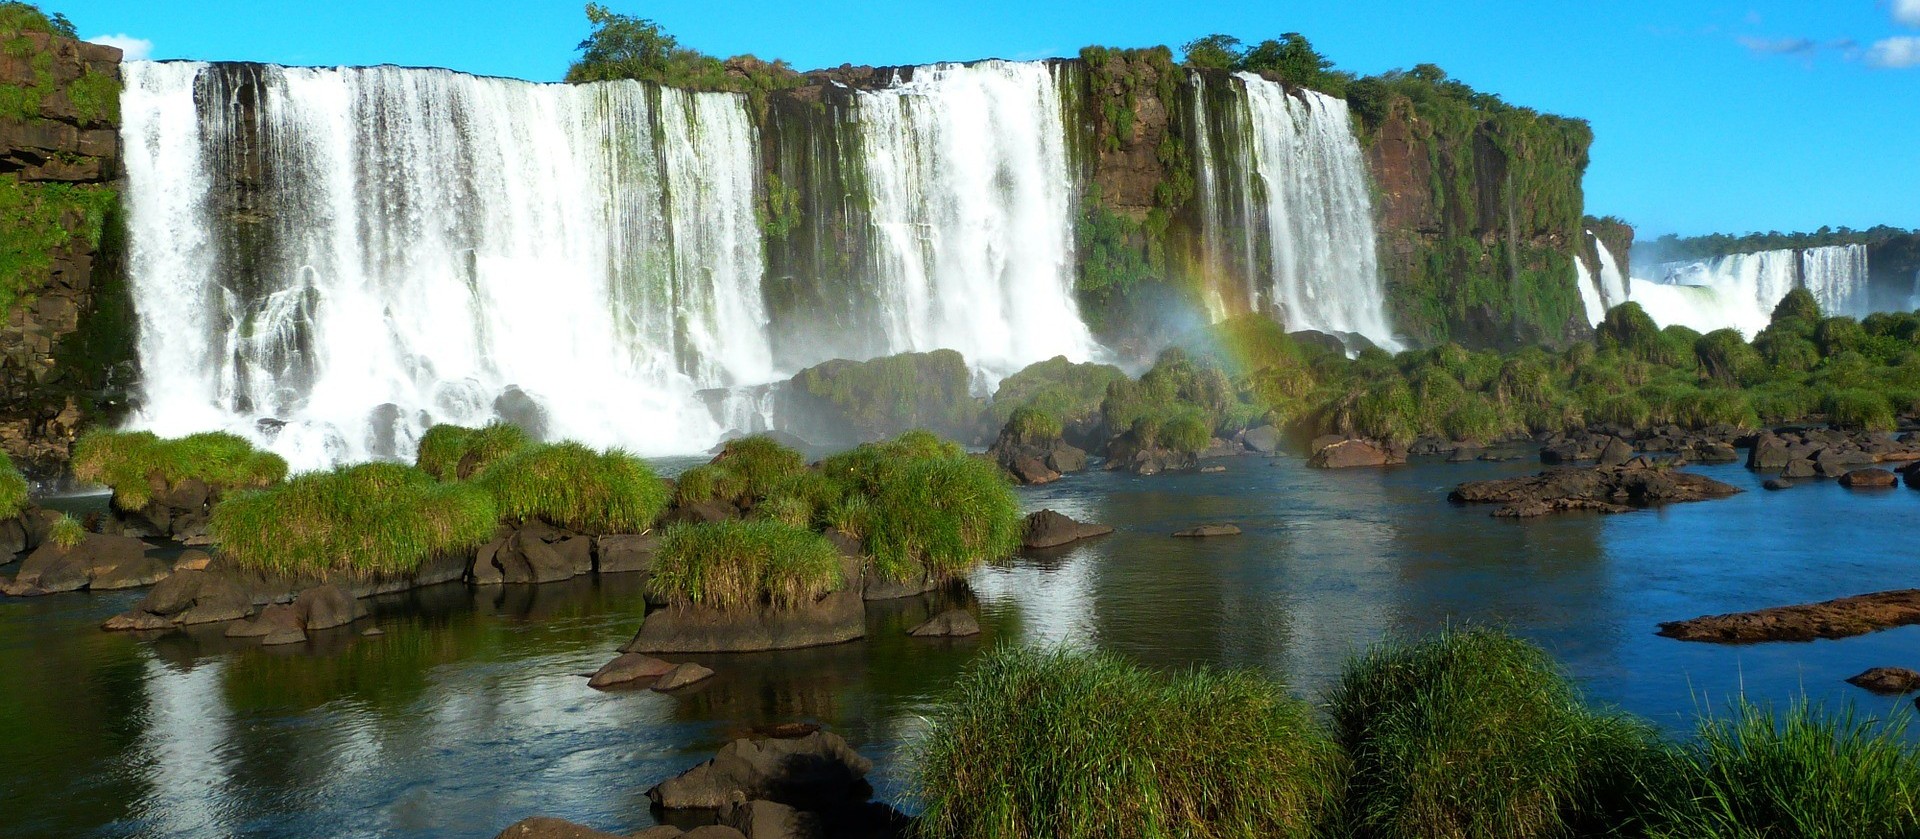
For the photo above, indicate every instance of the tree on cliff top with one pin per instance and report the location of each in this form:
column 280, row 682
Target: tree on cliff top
column 627, row 47
column 1291, row 59
column 26, row 17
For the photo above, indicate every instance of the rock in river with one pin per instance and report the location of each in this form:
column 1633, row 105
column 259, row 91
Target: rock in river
column 629, row 667
column 1608, row 489
column 1048, row 529
column 1842, row 618
column 1869, row 479
column 954, row 623
column 1208, row 530
column 1888, row 681
column 814, row 772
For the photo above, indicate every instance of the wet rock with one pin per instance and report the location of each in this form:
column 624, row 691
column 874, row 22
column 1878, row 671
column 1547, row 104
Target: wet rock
column 664, row 831
column 1031, row 471
column 1888, row 681
column 187, row 598
column 276, row 625
column 713, row 831
column 1465, row 454
column 326, row 607
column 1350, row 453
column 1616, row 453
column 1212, row 470
column 629, row 667
column 815, row 773
column 1869, row 479
column 545, row 828
column 1206, row 531
column 1048, row 529
column 1841, row 618
column 193, row 560
column 1609, row 489
column 874, row 586
column 1265, row 440
column 51, row 568
column 13, row 538
column 627, row 554
column 138, row 574
column 1777, row 484
column 687, row 628
column 1768, row 452
column 1798, row 468
column 771, row 820
column 681, row 676
column 954, row 623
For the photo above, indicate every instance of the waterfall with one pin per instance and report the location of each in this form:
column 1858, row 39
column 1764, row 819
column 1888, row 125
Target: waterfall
column 971, row 200
column 1738, row 291
column 1283, row 194
column 331, row 261
column 1590, row 300
column 1603, row 290
column 1837, row 277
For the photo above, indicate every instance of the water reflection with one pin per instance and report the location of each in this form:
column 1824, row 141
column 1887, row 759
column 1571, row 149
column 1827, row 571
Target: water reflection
column 470, row 711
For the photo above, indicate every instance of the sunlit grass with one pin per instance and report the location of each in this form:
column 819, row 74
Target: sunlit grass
column 743, row 564
column 126, row 462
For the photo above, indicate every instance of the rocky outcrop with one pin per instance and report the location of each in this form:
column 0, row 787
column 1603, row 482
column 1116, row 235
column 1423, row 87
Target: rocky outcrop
column 954, row 623
column 99, row 561
column 815, row 772
column 66, row 339
column 1048, row 529
column 1607, row 489
column 540, row 827
column 1032, row 461
column 848, row 402
column 1829, row 453
column 534, row 552
column 684, row 627
column 1208, row 531
column 627, row 669
column 1335, row 452
column 1842, row 618
column 1887, row 681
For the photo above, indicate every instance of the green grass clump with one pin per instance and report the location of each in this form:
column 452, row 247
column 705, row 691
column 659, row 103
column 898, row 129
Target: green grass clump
column 943, row 516
column 709, row 483
column 127, row 461
column 1033, row 426
column 788, row 510
column 377, row 518
column 67, row 532
column 1034, row 744
column 1859, row 408
column 1477, row 733
column 736, row 564
column 572, row 486
column 1805, row 774
column 1186, row 433
column 869, row 467
column 453, row 452
column 13, row 487
column 761, row 463
column 1057, row 386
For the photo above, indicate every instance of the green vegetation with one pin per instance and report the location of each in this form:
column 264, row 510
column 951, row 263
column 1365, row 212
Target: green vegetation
column 1290, row 59
column 736, row 564
column 17, row 17
column 1069, row 392
column 67, row 532
column 39, row 219
column 1472, row 733
column 572, row 486
column 453, row 452
column 941, row 517
column 1673, row 248
column 373, row 519
column 886, row 396
column 1081, row 746
column 129, row 462
column 13, row 487
column 626, row 47
column 1033, row 426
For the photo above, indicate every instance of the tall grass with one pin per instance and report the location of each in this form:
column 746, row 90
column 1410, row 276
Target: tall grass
column 942, row 516
column 572, row 486
column 761, row 462
column 126, row 462
column 377, row 518
column 13, row 487
column 709, row 483
column 1475, row 733
column 1034, row 744
column 453, row 452
column 67, row 532
column 1806, row 774
column 741, row 564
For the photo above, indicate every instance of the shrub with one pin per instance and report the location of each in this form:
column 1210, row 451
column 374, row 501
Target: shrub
column 1797, row 311
column 787, row 510
column 761, row 462
column 1725, row 356
column 1477, row 733
column 1033, row 426
column 1057, row 386
column 1186, row 432
column 1474, row 419
column 736, row 564
column 13, row 487
column 869, row 467
column 709, row 483
column 1035, row 744
column 942, row 517
column 453, row 452
column 126, row 462
column 1807, row 774
column 1628, row 329
column 377, row 518
column 67, row 532
column 569, row 485
column 1860, row 409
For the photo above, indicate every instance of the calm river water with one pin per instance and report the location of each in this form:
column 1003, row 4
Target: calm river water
column 470, row 711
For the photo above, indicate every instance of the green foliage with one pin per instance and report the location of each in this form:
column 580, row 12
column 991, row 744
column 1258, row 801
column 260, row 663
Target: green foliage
column 13, row 487
column 761, row 462
column 572, row 486
column 453, row 452
column 95, row 96
column 1807, row 774
column 67, row 532
column 1213, row 52
column 373, row 519
column 1187, row 433
column 1673, row 248
column 1033, row 425
column 1477, row 733
column 709, row 483
column 745, row 564
column 1071, row 392
column 37, row 220
column 17, row 17
column 1860, row 409
column 1035, row 744
column 1179, row 385
column 627, row 47
column 888, row 395
column 1291, row 59
column 1726, row 357
column 940, row 516
column 127, row 462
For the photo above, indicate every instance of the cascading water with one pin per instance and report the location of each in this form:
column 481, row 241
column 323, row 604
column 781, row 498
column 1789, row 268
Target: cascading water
column 1837, row 277
column 971, row 200
column 330, row 261
column 1741, row 290
column 1288, row 203
column 1604, row 290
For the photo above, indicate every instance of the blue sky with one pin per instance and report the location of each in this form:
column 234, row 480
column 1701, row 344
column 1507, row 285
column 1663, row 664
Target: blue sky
column 1710, row 116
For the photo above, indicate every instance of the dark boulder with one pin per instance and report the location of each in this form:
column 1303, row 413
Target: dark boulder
column 1616, row 453
column 1609, row 489
column 771, row 820
column 817, row 772
column 682, row 675
column 276, row 624
column 327, row 607
column 626, row 553
column 185, row 599
column 688, row 628
column 628, row 667
column 1048, row 529
column 1798, row 468
column 1888, row 681
column 1265, row 440
column 1349, row 453
column 1778, row 484
column 1208, row 531
column 954, row 623
column 1769, row 452
column 545, row 828
column 137, row 574
column 1830, row 619
column 1869, row 479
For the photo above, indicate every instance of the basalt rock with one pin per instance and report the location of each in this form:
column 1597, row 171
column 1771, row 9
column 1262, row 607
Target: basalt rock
column 545, row 828
column 1033, row 461
column 681, row 676
column 1350, row 452
column 1207, row 531
column 626, row 553
column 185, row 599
column 818, row 772
column 683, row 627
column 1609, row 489
column 1048, row 529
column 955, row 623
column 1888, row 681
column 110, row 562
column 1842, row 618
column 1869, row 479
column 628, row 668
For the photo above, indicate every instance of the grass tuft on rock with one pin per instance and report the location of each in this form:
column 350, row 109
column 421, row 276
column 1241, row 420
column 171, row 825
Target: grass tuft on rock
column 745, row 564
column 1806, row 773
column 572, row 486
column 1034, row 744
column 127, row 461
column 761, row 462
column 13, row 487
column 1477, row 733
column 455, row 452
column 942, row 517
column 67, row 532
column 372, row 519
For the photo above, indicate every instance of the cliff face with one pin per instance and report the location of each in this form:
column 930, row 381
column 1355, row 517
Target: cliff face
column 66, row 344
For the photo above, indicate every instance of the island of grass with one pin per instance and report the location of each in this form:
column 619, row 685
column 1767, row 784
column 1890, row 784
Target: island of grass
column 1470, row 733
column 170, row 487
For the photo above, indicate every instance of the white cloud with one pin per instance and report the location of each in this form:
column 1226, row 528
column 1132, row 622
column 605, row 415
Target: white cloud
column 1895, row 53
column 1907, row 12
column 1781, row 46
column 140, row 49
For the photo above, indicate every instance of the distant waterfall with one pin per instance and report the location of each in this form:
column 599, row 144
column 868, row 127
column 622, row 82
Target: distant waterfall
column 1741, row 290
column 1603, row 290
column 971, row 199
column 1284, row 196
column 331, row 261
column 1837, row 277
